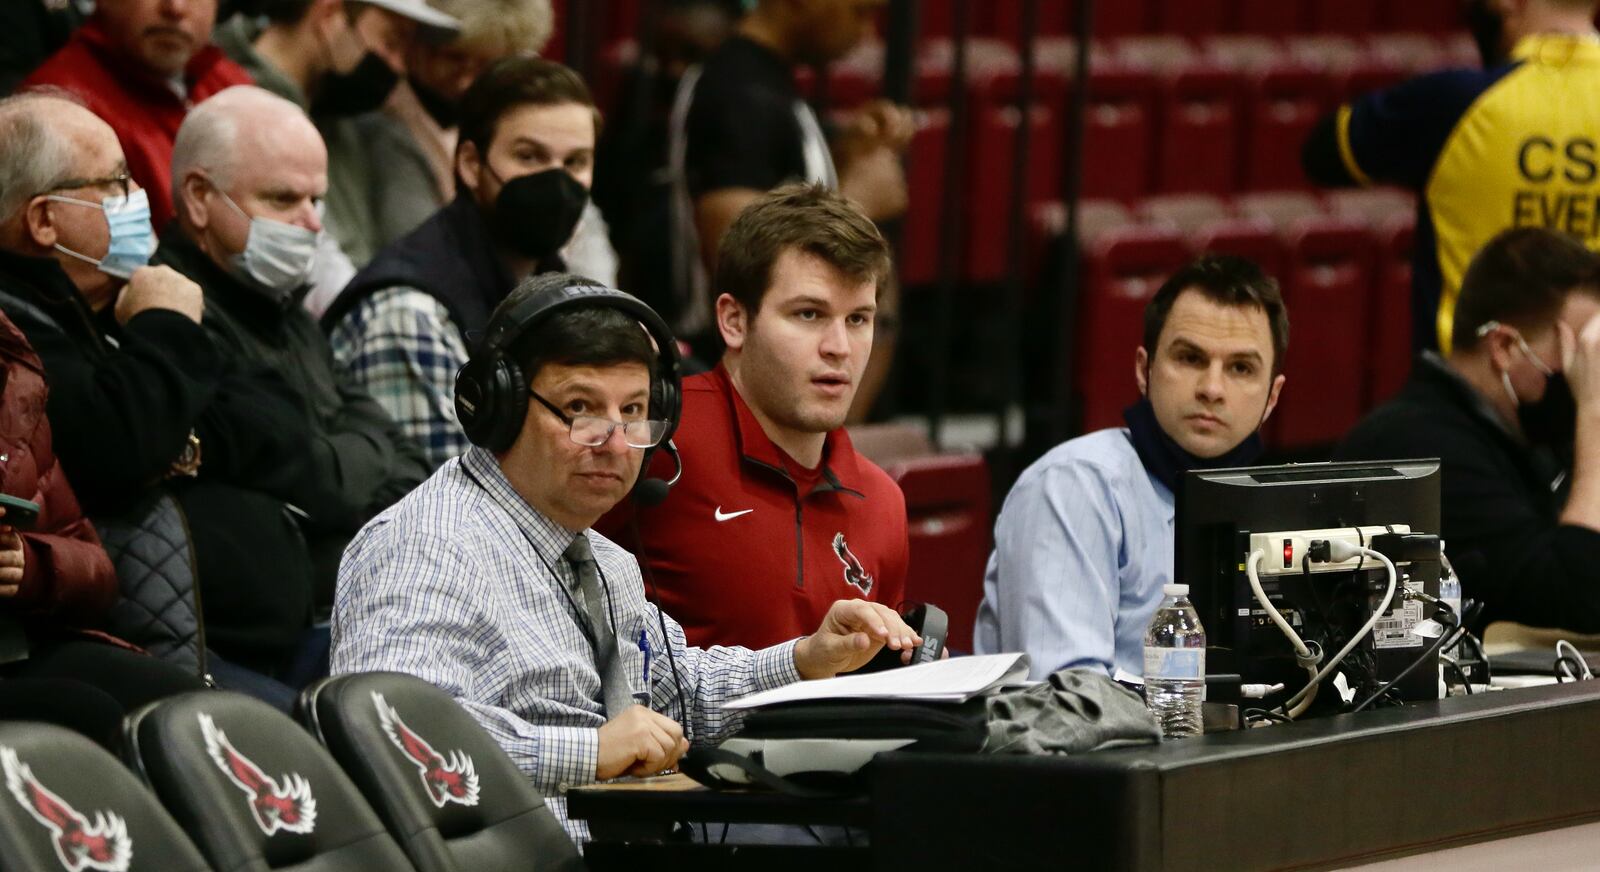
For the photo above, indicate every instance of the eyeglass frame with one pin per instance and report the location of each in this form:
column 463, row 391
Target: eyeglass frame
column 123, row 179
column 611, row 426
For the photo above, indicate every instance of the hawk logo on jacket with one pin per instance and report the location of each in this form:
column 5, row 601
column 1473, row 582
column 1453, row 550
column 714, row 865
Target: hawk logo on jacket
column 854, row 573
column 452, row 780
column 288, row 807
column 103, row 845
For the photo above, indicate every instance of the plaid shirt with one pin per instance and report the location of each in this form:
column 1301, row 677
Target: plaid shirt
column 402, row 347
column 454, row 584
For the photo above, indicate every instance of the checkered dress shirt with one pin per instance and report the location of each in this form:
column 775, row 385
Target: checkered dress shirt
column 463, row 584
column 402, row 347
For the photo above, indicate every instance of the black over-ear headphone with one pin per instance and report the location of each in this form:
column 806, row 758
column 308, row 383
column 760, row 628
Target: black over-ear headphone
column 492, row 389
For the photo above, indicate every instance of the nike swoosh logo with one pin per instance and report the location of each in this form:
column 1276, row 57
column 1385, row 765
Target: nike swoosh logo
column 721, row 516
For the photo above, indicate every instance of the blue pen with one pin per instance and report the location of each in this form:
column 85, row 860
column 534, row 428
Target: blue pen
column 644, row 648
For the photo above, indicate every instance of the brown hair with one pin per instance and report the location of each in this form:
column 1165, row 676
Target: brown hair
column 803, row 217
column 518, row 80
column 1521, row 278
column 1226, row 280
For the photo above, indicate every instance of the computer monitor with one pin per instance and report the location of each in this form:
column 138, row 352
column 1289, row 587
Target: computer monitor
column 1220, row 509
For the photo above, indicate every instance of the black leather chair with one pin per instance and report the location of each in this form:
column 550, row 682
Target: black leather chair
column 451, row 796
column 253, row 790
column 67, row 804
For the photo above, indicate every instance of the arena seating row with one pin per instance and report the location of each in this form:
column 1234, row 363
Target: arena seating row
column 1342, row 259
column 1215, row 123
column 1003, row 18
column 390, row 773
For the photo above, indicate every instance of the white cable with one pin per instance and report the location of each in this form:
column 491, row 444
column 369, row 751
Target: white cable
column 1377, row 613
column 1306, row 658
column 1577, row 657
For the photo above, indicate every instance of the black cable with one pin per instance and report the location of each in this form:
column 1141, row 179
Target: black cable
column 666, row 640
column 1431, row 651
column 1460, row 673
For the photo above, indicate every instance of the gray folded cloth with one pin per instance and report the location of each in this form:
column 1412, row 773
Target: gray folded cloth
column 1074, row 711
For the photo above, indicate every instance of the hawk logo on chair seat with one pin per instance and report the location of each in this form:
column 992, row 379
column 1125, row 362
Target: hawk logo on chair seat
column 288, row 806
column 103, row 845
column 452, row 780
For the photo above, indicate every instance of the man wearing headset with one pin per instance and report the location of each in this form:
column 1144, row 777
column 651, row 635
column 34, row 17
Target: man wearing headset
column 487, row 582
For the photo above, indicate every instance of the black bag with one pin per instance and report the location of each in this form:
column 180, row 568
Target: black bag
column 846, row 730
column 159, row 605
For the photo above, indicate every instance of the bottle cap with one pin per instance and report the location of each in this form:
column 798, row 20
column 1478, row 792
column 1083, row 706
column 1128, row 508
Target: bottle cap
column 1175, row 590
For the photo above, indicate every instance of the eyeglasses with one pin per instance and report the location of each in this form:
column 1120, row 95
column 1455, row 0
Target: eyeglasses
column 121, row 181
column 591, row 431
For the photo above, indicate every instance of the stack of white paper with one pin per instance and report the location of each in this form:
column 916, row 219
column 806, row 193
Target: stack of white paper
column 955, row 680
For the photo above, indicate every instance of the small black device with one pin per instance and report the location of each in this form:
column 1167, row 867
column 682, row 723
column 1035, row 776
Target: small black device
column 20, row 513
column 931, row 623
column 492, row 390
column 1220, row 510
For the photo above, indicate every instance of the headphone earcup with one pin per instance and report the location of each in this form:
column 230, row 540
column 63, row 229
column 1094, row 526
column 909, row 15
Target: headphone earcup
column 491, row 401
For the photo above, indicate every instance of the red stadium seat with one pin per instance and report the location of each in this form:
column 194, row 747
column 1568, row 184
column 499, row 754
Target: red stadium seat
column 925, row 163
column 1119, row 133
column 1412, row 52
column 1352, row 17
column 1243, row 51
column 1253, row 239
column 1330, row 53
column 1163, row 52
column 1186, row 213
column 1368, row 75
column 1436, row 16
column 1285, row 104
column 1390, row 320
column 1003, row 18
column 1328, row 288
column 989, row 178
column 1279, row 208
column 1279, row 17
column 1122, row 270
column 1193, row 17
column 947, row 515
column 1373, row 205
column 1198, row 143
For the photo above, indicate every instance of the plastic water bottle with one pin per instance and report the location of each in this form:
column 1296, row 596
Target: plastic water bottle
column 1175, row 664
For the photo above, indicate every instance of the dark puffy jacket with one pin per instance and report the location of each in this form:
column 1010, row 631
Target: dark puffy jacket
column 66, row 576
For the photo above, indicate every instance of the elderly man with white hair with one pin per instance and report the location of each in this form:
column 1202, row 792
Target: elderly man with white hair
column 249, row 173
column 141, row 399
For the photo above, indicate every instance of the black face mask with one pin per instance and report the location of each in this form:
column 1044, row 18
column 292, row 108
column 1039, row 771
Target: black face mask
column 1552, row 422
column 1488, row 29
column 534, row 215
column 357, row 92
column 445, row 112
column 1165, row 459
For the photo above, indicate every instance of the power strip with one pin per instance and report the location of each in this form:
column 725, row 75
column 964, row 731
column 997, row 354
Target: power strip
column 1283, row 550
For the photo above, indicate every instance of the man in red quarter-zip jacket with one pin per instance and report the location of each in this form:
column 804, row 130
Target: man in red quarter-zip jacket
column 776, row 515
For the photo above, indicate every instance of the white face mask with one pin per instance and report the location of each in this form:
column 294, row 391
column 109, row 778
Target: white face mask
column 277, row 257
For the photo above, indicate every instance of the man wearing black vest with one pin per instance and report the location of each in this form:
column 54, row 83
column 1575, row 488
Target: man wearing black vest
column 406, row 322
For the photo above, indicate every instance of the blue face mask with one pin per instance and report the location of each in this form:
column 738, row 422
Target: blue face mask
column 133, row 240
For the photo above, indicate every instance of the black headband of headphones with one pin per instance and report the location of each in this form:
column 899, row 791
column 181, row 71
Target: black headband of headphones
column 492, row 390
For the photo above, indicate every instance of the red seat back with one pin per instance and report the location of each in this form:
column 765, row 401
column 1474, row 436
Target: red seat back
column 1271, row 16
column 1243, row 237
column 1391, row 312
column 1123, row 269
column 1119, row 134
column 1198, row 147
column 947, row 514
column 1285, row 103
column 1327, row 287
column 925, row 162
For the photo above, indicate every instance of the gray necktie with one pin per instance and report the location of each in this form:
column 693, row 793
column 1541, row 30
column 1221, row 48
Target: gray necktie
column 613, row 674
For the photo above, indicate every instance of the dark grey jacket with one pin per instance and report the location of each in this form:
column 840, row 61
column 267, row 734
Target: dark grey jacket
column 358, row 460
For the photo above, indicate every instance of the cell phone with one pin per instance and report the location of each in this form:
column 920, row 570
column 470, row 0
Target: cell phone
column 20, row 513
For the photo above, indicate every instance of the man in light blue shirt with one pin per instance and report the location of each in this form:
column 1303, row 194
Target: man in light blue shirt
column 1083, row 543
